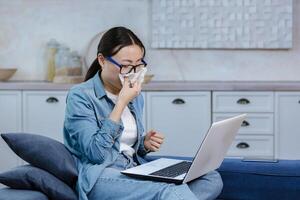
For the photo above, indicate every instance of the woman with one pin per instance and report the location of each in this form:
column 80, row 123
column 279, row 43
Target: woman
column 103, row 128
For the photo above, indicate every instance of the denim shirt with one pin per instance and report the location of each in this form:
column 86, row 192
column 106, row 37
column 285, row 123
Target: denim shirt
column 91, row 136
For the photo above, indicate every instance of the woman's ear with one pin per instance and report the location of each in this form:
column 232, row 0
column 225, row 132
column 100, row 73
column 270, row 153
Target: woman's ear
column 101, row 59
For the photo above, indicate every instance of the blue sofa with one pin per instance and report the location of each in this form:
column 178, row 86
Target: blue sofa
column 242, row 181
column 260, row 180
column 50, row 160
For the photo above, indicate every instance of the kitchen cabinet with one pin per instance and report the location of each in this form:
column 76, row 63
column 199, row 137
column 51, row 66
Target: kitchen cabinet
column 10, row 121
column 183, row 117
column 287, row 125
column 270, row 129
column 256, row 135
column 44, row 113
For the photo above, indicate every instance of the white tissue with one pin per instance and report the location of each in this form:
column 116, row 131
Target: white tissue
column 133, row 77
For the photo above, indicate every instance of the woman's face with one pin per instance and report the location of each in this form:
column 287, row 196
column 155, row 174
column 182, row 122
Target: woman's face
column 129, row 55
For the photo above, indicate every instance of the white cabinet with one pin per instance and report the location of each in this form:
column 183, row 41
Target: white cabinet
column 287, row 125
column 183, row 117
column 256, row 135
column 10, row 121
column 44, row 112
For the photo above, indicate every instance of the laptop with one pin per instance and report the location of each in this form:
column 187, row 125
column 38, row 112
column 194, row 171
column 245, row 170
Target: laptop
column 209, row 156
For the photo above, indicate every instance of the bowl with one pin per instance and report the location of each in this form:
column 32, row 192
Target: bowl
column 7, row 73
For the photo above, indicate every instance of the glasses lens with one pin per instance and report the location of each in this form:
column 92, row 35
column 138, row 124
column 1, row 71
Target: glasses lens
column 132, row 69
column 139, row 67
column 126, row 69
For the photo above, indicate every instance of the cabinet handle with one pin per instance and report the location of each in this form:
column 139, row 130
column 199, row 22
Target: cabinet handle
column 242, row 145
column 52, row 100
column 178, row 101
column 299, row 101
column 245, row 123
column 243, row 101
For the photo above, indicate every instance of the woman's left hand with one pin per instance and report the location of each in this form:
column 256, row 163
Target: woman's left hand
column 153, row 140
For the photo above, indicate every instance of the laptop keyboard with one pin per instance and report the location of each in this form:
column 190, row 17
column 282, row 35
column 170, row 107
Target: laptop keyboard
column 173, row 170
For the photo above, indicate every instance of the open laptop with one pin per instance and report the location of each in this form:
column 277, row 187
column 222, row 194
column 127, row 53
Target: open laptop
column 208, row 157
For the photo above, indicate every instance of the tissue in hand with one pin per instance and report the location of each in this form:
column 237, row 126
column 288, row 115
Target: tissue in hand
column 133, row 77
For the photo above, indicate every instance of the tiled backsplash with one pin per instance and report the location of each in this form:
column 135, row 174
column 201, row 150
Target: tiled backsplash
column 26, row 26
column 244, row 24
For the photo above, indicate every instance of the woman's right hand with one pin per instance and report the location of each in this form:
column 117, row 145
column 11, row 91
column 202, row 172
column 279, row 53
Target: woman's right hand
column 129, row 91
column 126, row 94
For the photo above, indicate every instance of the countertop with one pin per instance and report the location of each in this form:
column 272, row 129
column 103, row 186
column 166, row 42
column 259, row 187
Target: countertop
column 172, row 86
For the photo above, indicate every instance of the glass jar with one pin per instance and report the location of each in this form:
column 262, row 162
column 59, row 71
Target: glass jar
column 62, row 60
column 75, row 64
column 51, row 51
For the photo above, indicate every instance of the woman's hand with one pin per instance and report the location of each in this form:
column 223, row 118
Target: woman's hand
column 129, row 91
column 153, row 140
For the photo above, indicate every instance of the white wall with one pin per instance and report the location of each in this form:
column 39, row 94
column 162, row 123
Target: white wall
column 26, row 25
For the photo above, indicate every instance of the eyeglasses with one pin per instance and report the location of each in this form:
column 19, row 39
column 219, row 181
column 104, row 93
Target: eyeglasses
column 126, row 69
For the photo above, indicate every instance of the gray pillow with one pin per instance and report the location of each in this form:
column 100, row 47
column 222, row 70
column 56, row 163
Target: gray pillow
column 44, row 153
column 17, row 194
column 33, row 178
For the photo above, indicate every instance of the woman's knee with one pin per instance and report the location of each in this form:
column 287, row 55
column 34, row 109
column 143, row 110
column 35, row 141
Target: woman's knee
column 216, row 181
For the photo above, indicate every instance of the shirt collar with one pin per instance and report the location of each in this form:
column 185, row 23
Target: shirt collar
column 98, row 86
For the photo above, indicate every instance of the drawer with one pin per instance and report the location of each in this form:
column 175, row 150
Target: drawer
column 244, row 146
column 243, row 102
column 255, row 123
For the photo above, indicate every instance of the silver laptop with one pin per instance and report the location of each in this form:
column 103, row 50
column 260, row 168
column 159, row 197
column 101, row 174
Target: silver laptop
column 208, row 157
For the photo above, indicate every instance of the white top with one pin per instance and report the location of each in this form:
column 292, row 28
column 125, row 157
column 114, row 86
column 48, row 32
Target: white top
column 129, row 134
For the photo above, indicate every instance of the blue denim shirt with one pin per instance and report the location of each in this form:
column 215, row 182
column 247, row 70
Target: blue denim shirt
column 91, row 136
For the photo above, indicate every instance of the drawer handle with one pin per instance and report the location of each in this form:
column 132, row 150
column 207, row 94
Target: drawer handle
column 52, row 100
column 178, row 101
column 242, row 145
column 243, row 101
column 245, row 123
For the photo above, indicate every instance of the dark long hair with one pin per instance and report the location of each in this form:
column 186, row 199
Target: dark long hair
column 111, row 43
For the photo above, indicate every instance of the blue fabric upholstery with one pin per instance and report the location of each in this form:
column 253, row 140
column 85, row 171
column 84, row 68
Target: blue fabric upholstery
column 242, row 181
column 260, row 180
column 45, row 153
column 13, row 194
column 33, row 178
column 257, row 180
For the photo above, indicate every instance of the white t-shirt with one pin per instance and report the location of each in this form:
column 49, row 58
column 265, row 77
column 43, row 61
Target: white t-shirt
column 129, row 134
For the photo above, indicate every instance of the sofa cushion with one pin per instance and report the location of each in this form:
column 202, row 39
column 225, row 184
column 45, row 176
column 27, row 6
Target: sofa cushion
column 14, row 194
column 260, row 180
column 44, row 153
column 33, row 178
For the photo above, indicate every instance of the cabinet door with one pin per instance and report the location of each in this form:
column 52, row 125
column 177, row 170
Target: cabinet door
column 44, row 112
column 183, row 117
column 287, row 115
column 10, row 121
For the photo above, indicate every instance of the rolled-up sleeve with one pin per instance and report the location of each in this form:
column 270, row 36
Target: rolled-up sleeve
column 95, row 139
column 142, row 151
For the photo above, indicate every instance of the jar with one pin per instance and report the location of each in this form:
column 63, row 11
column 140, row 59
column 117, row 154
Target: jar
column 62, row 60
column 51, row 51
column 75, row 64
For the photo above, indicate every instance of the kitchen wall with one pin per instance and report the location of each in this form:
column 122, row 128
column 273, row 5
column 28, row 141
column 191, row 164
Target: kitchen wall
column 26, row 26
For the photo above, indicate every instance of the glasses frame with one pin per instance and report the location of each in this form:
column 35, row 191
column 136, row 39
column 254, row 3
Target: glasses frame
column 110, row 59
